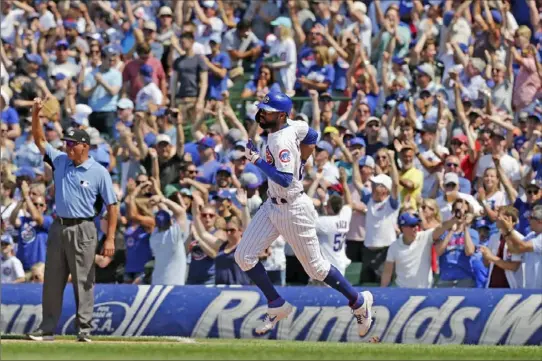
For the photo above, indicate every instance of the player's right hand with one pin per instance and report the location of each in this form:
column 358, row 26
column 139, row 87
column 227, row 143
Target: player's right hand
column 251, row 152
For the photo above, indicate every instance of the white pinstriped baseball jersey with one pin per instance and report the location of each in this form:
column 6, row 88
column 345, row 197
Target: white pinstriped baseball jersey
column 331, row 231
column 283, row 152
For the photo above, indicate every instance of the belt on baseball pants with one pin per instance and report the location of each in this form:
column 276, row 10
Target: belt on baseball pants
column 282, row 200
column 73, row 221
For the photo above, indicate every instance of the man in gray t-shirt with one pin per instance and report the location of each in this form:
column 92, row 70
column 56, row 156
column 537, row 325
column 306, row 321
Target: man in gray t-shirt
column 190, row 71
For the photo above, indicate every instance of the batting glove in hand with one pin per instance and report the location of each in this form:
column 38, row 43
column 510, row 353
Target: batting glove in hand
column 251, row 152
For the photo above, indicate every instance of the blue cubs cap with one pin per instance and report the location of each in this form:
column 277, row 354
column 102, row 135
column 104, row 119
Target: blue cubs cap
column 150, row 139
column 111, row 50
column 497, row 17
column 224, row 168
column 323, row 145
column 464, row 47
column 6, row 238
column 356, row 141
column 70, row 24
column 535, row 115
column 34, row 58
column 62, row 42
column 25, row 171
column 207, row 142
column 407, row 219
column 367, row 161
column 399, row 60
column 276, row 102
column 162, row 218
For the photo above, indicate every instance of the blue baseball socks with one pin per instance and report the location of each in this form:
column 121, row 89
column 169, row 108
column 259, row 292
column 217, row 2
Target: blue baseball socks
column 336, row 280
column 259, row 276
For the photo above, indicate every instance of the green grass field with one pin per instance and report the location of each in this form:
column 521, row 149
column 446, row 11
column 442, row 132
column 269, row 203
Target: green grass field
column 106, row 348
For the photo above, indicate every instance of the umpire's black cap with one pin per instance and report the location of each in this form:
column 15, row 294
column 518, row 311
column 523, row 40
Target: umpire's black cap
column 77, row 135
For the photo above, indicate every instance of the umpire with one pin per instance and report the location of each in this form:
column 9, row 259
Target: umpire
column 81, row 186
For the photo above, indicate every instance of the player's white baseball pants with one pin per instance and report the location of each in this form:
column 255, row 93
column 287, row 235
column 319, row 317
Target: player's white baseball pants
column 295, row 222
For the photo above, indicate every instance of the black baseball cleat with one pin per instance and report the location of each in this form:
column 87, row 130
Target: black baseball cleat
column 83, row 337
column 39, row 335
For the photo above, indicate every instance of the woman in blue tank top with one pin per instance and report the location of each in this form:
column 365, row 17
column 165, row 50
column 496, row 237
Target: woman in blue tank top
column 141, row 223
column 227, row 272
column 202, row 264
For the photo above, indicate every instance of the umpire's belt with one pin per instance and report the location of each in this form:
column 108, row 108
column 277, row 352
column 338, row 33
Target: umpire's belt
column 282, row 200
column 73, row 221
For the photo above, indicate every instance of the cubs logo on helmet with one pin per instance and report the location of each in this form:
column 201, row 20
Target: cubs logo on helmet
column 266, row 99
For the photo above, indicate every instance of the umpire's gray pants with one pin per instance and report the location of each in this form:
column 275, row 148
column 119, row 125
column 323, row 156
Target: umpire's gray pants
column 70, row 249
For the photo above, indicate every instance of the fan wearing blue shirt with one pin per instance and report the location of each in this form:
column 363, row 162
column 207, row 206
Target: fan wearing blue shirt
column 9, row 115
column 219, row 64
column 321, row 75
column 209, row 164
column 455, row 249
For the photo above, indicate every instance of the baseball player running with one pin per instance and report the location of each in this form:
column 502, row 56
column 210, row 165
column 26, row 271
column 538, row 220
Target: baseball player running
column 290, row 213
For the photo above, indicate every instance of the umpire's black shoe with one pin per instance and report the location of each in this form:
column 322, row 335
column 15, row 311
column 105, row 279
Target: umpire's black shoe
column 39, row 335
column 83, row 337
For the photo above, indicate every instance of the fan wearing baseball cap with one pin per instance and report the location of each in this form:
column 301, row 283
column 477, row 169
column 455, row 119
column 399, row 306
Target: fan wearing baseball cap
column 409, row 257
column 82, row 188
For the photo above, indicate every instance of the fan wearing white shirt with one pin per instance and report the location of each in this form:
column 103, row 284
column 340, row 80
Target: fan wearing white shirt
column 332, row 229
column 150, row 93
column 509, row 164
column 451, row 194
column 530, row 246
column 410, row 255
column 11, row 268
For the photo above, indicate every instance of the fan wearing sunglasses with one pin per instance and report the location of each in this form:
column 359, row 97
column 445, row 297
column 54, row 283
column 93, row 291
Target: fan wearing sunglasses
column 532, row 198
column 33, row 227
column 202, row 265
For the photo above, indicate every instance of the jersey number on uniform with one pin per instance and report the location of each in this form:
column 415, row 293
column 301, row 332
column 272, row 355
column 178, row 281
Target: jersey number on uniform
column 338, row 241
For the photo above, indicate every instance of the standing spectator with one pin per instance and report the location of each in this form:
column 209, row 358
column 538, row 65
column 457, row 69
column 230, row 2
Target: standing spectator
column 101, row 87
column 202, row 264
column 380, row 222
column 525, row 207
column 505, row 269
column 274, row 262
column 263, row 83
column 11, row 268
column 333, row 227
column 9, row 116
column 132, row 82
column 284, row 50
column 530, row 246
column 168, row 242
column 207, row 23
column 190, row 70
column 219, row 64
column 209, row 164
column 242, row 46
column 411, row 179
column 452, row 194
column 222, row 251
column 33, row 228
column 410, row 255
column 456, row 247
column 527, row 82
column 138, row 231
column 149, row 97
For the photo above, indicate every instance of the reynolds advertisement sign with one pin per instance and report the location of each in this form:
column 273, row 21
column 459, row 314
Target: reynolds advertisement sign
column 454, row 316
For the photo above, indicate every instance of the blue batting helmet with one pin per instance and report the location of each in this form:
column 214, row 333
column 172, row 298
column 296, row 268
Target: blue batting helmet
column 276, row 102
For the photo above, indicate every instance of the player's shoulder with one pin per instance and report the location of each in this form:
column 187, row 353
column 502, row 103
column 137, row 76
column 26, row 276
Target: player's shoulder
column 297, row 124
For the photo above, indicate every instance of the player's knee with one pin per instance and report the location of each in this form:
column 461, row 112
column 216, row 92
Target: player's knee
column 245, row 260
column 318, row 269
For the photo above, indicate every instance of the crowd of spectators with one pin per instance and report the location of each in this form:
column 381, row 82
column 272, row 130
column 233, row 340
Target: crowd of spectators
column 428, row 113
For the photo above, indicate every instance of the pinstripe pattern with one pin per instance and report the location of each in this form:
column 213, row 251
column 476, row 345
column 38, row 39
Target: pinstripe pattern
column 295, row 222
column 258, row 236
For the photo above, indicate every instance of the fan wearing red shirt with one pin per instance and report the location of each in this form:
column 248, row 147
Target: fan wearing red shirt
column 130, row 76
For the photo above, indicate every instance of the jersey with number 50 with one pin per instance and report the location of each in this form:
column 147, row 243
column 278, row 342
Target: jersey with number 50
column 331, row 231
column 282, row 151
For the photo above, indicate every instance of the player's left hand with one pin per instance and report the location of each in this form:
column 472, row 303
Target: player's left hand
column 251, row 152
